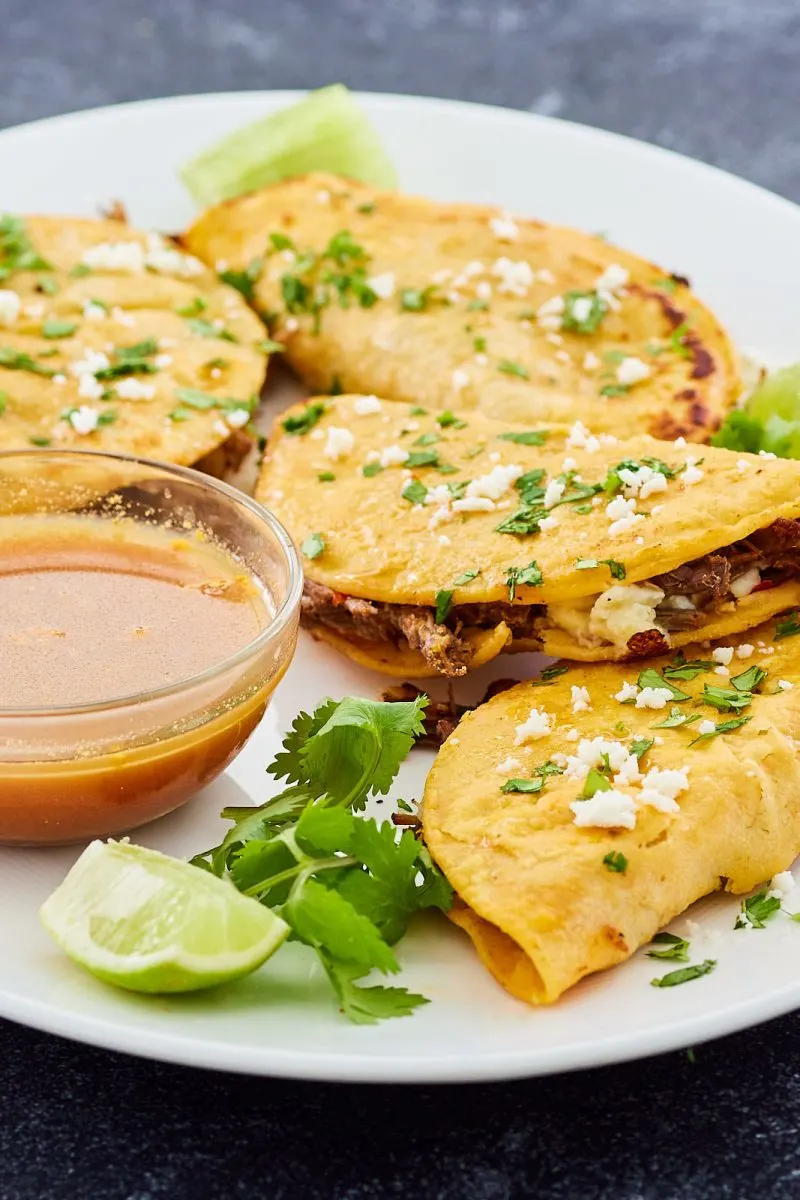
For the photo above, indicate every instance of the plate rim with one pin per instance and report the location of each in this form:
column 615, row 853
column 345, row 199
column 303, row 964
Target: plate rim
column 167, row 1045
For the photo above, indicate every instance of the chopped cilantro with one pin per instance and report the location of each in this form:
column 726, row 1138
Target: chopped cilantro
column 479, row 345
column 615, row 389
column 244, row 281
column 523, row 785
column 549, row 675
column 676, row 718
column 336, row 388
column 197, row 306
column 757, row 910
column 477, row 306
column 16, row 360
column 414, row 491
column 523, row 521
column 417, row 299
column 371, row 469
column 616, row 861
column 279, row 241
column 367, row 208
column 445, row 419
column 427, row 439
column 17, row 252
column 313, row 545
column 675, row 947
column 788, row 627
column 596, row 781
column 79, row 271
column 49, row 286
column 423, row 458
column 467, row 577
column 209, row 329
column 268, row 346
column 444, row 602
column 3, row 402
column 640, row 746
column 530, row 576
column 678, row 342
column 508, row 367
column 53, row 328
column 590, row 322
column 685, row 974
column 39, row 441
column 326, row 477
column 666, row 285
column 686, row 669
column 723, row 727
column 726, row 699
column 749, row 680
column 651, row 678
column 530, row 437
column 617, row 569
column 305, row 420
column 416, row 411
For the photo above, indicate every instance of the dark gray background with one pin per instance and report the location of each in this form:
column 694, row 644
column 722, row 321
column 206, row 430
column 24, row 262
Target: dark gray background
column 717, row 79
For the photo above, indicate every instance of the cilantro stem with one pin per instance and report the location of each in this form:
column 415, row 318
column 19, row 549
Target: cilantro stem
column 319, row 864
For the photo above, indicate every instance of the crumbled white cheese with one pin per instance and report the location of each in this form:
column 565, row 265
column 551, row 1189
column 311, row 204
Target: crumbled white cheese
column 92, row 311
column 623, row 515
column 555, row 339
column 581, row 439
column 496, row 483
column 291, row 325
column 545, row 275
column 569, row 464
column 366, row 405
column 653, row 697
column 742, row 465
column 722, row 671
column 782, row 885
column 722, row 654
column 134, row 389
column 553, row 493
column 483, row 290
column 59, row 378
column 237, row 418
column 581, row 700
column 383, row 285
column 515, row 277
column 562, row 356
column 548, row 523
column 440, row 494
column 628, row 773
column 481, row 360
column 115, row 256
column 444, row 540
column 538, row 725
column 591, row 752
column 692, row 474
column 766, row 454
column 508, row 765
column 706, row 727
column 393, row 456
column 746, row 583
column 642, row 481
column 84, row 419
column 582, row 308
column 474, row 504
column 504, row 228
column 553, row 307
column 628, row 691
column 590, row 361
column 439, row 517
column 624, row 610
column 745, row 650
column 123, row 318
column 785, row 685
column 338, row 442
column 10, row 305
column 162, row 361
column 89, row 388
column 166, row 260
column 92, row 362
column 632, row 370
column 459, row 379
column 612, row 278
column 611, row 809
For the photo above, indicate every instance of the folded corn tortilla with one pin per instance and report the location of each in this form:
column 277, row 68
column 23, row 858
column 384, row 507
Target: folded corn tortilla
column 536, row 893
column 114, row 339
column 442, row 540
column 457, row 305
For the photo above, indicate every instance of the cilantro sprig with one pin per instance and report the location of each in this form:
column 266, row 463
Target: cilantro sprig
column 346, row 885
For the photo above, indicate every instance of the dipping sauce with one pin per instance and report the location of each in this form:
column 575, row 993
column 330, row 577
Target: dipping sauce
column 91, row 610
column 138, row 625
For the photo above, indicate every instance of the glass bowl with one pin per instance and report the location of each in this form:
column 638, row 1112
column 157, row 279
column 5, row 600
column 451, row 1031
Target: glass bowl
column 77, row 771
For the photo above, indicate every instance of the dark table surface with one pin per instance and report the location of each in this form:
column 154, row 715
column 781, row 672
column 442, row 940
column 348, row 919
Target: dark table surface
column 716, row 79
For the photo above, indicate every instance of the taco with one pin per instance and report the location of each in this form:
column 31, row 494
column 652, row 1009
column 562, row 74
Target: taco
column 455, row 305
column 434, row 541
column 575, row 820
column 116, row 340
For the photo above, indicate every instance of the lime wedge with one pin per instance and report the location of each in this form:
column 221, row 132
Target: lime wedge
column 325, row 131
column 142, row 921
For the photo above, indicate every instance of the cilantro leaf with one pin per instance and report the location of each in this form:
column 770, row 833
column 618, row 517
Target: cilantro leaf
column 686, row 669
column 313, row 545
column 596, row 781
column 676, row 947
column 685, row 974
column 788, row 627
column 580, row 318
column 749, row 680
column 530, row 437
column 54, row 328
column 722, row 727
column 549, row 675
column 467, row 577
column 367, row 1005
column 615, row 860
column 651, row 678
column 726, row 699
column 676, row 718
column 244, row 281
column 530, row 576
column 321, row 917
column 617, row 569
column 523, row 785
column 507, row 367
column 757, row 910
column 445, row 419
column 414, row 491
column 305, row 420
column 444, row 602
column 640, row 746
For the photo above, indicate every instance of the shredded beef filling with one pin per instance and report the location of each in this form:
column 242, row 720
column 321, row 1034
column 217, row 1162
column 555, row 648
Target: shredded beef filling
column 689, row 591
column 774, row 551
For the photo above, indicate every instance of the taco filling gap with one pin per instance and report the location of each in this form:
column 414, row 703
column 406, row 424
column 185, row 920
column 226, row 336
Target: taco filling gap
column 435, row 541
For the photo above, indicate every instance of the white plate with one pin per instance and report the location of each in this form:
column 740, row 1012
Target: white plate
column 741, row 247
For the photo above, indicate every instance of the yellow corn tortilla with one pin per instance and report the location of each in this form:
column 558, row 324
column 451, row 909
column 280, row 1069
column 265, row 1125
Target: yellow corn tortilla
column 535, row 897
column 139, row 297
column 480, row 317
column 380, row 547
column 405, row 663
